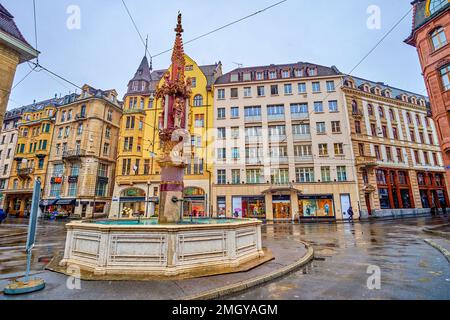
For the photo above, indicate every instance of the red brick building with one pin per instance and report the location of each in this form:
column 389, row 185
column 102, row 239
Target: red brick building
column 431, row 36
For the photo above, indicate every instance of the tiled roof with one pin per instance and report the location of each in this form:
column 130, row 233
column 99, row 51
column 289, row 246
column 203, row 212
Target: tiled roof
column 212, row 72
column 321, row 70
column 8, row 25
column 420, row 16
column 143, row 72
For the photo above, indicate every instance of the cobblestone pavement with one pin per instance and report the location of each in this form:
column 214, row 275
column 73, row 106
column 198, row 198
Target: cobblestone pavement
column 410, row 268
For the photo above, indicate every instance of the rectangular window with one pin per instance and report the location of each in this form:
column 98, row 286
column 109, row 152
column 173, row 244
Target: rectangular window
column 339, row 149
column 358, row 127
column 247, row 92
column 235, row 176
column 275, row 110
column 301, row 129
column 299, row 108
column 318, row 107
column 221, row 177
column 399, row 155
column 302, row 88
column 320, row 128
column 221, row 113
column 235, row 132
column 253, row 111
column 254, row 176
column 261, row 91
column 326, row 174
column 303, row 151
column 221, row 153
column 330, row 86
column 323, row 149
column 221, row 94
column 341, row 173
column 333, row 106
column 288, row 89
column 274, row 90
column 316, row 87
column 234, row 93
column 279, row 130
column 336, row 126
column 445, row 77
column 279, row 176
column 378, row 153
column 235, row 154
column 221, row 133
column 72, row 190
column 199, row 120
column 234, row 112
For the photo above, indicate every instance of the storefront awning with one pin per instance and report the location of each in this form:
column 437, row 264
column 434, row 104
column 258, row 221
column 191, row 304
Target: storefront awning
column 275, row 190
column 44, row 203
column 65, row 202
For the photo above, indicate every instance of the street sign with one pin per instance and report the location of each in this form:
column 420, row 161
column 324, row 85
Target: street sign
column 29, row 285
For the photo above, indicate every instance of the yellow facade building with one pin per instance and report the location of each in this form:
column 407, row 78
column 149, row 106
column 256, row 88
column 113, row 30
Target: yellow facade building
column 137, row 176
column 31, row 156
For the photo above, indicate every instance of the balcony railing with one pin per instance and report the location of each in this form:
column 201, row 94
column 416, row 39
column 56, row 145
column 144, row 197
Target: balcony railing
column 302, row 137
column 304, row 159
column 73, row 154
column 253, row 139
column 253, row 119
column 276, row 117
column 300, row 116
column 80, row 116
column 24, row 172
column 254, row 161
column 134, row 111
column 278, row 138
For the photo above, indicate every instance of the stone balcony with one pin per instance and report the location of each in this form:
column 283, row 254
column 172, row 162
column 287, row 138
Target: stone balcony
column 74, row 154
column 366, row 161
column 299, row 116
column 253, row 119
column 25, row 172
column 301, row 137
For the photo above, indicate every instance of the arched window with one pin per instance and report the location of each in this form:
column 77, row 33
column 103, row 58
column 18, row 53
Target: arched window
column 435, row 5
column 381, row 111
column 391, row 114
column 370, row 109
column 408, row 116
column 355, row 107
column 198, row 100
column 438, row 38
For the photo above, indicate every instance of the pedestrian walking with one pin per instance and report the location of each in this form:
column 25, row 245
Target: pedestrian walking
column 350, row 214
column 2, row 216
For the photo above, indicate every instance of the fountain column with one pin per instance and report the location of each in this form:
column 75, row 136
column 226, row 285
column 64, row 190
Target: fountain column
column 175, row 94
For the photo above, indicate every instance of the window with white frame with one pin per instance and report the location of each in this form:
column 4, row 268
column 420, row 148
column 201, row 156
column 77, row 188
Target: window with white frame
column 299, row 108
column 304, row 175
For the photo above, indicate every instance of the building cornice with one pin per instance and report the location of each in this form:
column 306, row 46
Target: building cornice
column 25, row 52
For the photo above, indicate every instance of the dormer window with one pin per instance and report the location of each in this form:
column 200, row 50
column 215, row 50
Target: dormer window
column 272, row 75
column 413, row 100
column 366, row 88
column 234, row 77
column 387, row 93
column 135, row 85
column 247, row 76
column 259, row 76
column 377, row 91
column 286, row 74
column 404, row 98
column 312, row 71
column 435, row 5
column 298, row 73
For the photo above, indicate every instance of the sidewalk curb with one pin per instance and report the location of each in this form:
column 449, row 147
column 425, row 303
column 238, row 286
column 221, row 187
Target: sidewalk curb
column 438, row 247
column 431, row 230
column 235, row 288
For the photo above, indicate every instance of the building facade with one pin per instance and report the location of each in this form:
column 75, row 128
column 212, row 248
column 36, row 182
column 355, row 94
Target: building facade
column 8, row 144
column 431, row 35
column 83, row 154
column 281, row 147
column 399, row 163
column 138, row 174
column 31, row 156
column 14, row 49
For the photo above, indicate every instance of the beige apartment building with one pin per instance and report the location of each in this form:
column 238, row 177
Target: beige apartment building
column 399, row 162
column 282, row 150
column 8, row 144
column 80, row 175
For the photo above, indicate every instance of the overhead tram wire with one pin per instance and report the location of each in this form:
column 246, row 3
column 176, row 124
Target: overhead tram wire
column 225, row 26
column 359, row 63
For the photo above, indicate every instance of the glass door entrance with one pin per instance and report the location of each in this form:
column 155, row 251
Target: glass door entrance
column 281, row 207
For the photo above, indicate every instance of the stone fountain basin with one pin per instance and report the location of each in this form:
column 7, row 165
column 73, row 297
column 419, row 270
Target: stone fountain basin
column 147, row 249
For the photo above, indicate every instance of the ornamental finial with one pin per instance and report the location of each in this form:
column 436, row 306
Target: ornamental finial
column 179, row 29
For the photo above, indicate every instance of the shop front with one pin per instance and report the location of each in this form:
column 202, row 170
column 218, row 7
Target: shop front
column 132, row 202
column 249, row 207
column 281, row 205
column 432, row 189
column 59, row 207
column 195, row 202
column 316, row 206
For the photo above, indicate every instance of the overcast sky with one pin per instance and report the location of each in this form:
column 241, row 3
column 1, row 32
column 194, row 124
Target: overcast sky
column 106, row 51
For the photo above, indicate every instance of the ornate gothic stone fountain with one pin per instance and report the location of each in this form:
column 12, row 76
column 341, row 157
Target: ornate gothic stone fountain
column 128, row 249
